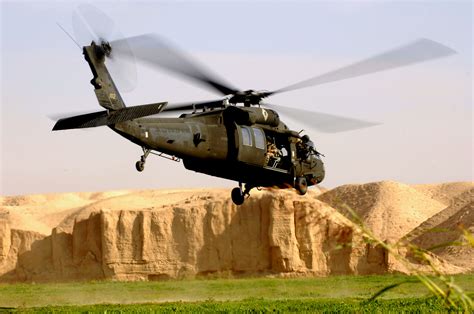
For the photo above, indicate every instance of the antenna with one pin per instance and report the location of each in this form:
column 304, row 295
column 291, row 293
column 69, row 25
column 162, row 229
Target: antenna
column 57, row 23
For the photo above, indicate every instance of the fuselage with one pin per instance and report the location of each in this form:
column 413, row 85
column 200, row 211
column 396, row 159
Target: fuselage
column 219, row 144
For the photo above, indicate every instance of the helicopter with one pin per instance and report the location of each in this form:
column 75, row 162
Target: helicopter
column 237, row 137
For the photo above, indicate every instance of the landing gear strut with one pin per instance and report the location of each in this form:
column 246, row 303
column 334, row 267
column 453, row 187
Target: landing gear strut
column 140, row 165
column 238, row 195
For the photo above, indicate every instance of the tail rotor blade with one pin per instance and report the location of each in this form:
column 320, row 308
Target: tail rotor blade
column 83, row 34
column 91, row 24
column 123, row 70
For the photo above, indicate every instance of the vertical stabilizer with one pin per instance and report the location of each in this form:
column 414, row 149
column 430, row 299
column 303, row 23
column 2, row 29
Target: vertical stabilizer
column 105, row 90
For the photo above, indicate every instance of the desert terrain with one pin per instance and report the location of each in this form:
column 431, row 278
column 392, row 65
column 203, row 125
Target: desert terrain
column 166, row 234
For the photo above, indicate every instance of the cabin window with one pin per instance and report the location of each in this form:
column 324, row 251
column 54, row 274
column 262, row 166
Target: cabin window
column 246, row 137
column 259, row 138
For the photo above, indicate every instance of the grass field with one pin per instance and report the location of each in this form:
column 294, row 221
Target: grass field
column 262, row 294
column 418, row 305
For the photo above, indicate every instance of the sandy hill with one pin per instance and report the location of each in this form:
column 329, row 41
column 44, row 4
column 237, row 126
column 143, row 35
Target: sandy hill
column 444, row 192
column 443, row 234
column 159, row 234
column 389, row 209
column 42, row 212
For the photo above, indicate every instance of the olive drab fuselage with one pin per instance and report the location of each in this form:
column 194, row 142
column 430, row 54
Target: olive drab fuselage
column 216, row 144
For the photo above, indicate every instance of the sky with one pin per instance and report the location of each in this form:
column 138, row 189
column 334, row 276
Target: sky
column 425, row 110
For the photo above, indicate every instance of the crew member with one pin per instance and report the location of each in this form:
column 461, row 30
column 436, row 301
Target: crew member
column 305, row 147
column 306, row 140
column 272, row 154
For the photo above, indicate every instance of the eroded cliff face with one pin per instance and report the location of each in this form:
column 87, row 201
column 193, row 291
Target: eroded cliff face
column 272, row 233
column 5, row 239
column 14, row 244
column 163, row 234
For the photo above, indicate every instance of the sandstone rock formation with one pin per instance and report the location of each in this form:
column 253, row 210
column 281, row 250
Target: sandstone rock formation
column 161, row 234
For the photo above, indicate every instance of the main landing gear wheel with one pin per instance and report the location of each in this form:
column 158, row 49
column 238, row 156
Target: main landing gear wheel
column 301, row 185
column 238, row 196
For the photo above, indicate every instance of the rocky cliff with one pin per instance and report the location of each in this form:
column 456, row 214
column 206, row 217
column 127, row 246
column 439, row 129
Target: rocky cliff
column 155, row 235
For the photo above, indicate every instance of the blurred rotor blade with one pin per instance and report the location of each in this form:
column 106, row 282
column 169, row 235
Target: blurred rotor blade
column 418, row 51
column 89, row 23
column 82, row 32
column 322, row 122
column 155, row 51
column 195, row 106
column 123, row 70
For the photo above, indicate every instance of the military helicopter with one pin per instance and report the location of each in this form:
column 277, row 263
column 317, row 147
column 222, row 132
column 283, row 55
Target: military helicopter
column 237, row 137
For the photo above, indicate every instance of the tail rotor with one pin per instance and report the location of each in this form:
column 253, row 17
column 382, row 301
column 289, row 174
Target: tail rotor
column 91, row 25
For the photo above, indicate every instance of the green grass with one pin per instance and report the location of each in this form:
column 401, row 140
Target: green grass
column 260, row 306
column 262, row 294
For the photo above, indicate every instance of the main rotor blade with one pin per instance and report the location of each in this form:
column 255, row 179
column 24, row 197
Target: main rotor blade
column 155, row 51
column 322, row 122
column 418, row 51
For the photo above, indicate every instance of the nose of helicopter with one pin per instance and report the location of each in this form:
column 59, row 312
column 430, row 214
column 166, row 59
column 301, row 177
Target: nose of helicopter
column 318, row 170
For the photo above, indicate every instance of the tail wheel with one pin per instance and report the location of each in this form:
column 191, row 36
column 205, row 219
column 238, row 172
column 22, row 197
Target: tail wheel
column 301, row 185
column 140, row 165
column 237, row 196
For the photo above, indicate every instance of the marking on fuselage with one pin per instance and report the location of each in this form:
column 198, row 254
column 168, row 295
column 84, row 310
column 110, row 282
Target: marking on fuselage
column 265, row 114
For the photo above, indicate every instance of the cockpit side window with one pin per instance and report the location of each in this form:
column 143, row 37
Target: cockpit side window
column 246, row 136
column 259, row 138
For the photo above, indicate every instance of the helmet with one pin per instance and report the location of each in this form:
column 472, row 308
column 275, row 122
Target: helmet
column 305, row 138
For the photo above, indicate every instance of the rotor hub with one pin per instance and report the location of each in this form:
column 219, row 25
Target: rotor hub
column 106, row 47
column 103, row 49
column 248, row 98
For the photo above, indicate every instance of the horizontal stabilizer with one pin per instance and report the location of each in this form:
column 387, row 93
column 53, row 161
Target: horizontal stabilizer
column 101, row 118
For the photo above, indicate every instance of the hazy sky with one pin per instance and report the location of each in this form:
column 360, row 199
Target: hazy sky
column 426, row 109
